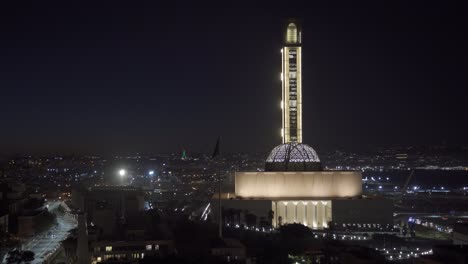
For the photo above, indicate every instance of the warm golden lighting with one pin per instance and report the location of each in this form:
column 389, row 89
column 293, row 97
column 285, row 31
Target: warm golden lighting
column 292, row 86
column 310, row 185
column 312, row 213
column 291, row 33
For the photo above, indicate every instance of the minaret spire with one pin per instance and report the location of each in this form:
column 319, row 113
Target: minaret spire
column 291, row 78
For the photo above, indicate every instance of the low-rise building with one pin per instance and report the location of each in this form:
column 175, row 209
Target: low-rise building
column 129, row 251
column 229, row 249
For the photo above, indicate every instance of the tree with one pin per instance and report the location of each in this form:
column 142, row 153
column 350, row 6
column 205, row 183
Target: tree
column 230, row 216
column 14, row 256
column 294, row 238
column 411, row 229
column 246, row 212
column 18, row 256
column 271, row 215
column 295, row 231
column 192, row 239
column 61, row 209
column 251, row 220
column 238, row 213
column 263, row 222
column 27, row 256
column 405, row 230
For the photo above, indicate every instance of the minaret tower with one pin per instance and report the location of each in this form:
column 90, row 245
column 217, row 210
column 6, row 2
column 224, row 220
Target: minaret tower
column 291, row 77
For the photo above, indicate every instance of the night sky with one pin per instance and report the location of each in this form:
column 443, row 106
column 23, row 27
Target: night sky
column 109, row 77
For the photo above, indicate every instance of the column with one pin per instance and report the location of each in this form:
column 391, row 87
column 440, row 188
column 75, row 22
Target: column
column 324, row 214
column 304, row 216
column 314, row 215
column 285, row 218
column 295, row 212
column 274, row 221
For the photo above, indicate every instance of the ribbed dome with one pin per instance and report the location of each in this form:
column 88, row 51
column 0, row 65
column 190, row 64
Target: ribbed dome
column 293, row 157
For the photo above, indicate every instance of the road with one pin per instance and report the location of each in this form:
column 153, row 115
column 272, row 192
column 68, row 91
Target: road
column 45, row 243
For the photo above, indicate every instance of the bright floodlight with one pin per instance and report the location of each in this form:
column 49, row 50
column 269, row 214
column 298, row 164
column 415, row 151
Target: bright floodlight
column 122, row 172
column 151, row 172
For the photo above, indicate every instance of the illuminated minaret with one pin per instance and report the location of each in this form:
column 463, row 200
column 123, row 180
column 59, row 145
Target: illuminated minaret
column 291, row 77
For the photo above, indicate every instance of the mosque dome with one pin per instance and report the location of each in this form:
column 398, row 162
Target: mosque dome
column 293, row 156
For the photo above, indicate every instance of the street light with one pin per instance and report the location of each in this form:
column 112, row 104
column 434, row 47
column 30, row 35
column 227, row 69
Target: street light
column 151, row 172
column 122, row 172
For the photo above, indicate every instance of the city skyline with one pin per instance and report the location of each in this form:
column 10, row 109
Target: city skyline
column 139, row 133
column 155, row 78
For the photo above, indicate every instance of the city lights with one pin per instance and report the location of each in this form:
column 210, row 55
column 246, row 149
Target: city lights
column 367, row 193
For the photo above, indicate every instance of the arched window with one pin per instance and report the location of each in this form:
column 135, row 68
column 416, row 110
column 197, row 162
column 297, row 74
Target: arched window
column 291, row 33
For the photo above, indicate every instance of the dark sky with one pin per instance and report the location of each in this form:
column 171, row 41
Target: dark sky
column 108, row 77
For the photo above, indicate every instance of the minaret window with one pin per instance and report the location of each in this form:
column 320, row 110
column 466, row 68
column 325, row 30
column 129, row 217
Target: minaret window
column 291, row 33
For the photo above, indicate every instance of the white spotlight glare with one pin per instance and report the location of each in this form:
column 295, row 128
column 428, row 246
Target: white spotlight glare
column 122, row 172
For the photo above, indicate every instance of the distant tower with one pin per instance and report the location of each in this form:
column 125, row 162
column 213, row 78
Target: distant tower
column 291, row 77
column 184, row 154
column 82, row 250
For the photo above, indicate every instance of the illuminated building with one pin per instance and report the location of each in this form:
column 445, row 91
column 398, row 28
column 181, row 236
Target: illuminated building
column 129, row 251
column 294, row 188
column 291, row 77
